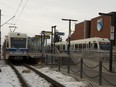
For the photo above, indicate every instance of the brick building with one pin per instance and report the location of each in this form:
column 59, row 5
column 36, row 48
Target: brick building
column 82, row 30
column 96, row 27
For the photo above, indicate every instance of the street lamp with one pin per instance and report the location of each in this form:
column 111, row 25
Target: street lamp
column 69, row 38
column 112, row 15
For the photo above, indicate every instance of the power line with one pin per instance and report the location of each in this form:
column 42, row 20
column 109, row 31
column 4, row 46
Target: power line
column 21, row 11
column 18, row 7
column 7, row 21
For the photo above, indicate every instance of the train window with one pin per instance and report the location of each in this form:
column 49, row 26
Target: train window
column 104, row 45
column 76, row 46
column 95, row 46
column 18, row 42
column 84, row 45
column 80, row 46
column 89, row 44
column 63, row 47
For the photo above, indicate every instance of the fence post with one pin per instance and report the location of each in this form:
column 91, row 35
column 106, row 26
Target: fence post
column 46, row 59
column 59, row 64
column 52, row 61
column 69, row 64
column 100, row 73
column 81, row 68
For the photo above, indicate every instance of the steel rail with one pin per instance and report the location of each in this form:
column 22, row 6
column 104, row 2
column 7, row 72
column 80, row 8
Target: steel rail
column 21, row 79
column 53, row 82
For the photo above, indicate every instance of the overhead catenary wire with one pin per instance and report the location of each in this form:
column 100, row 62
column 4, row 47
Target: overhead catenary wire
column 13, row 15
column 18, row 7
column 21, row 11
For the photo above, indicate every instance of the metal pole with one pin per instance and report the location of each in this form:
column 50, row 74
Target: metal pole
column 41, row 42
column 54, row 37
column 111, row 43
column 81, row 68
column 0, row 33
column 112, row 15
column 43, row 47
column 59, row 64
column 100, row 73
column 69, row 37
column 52, row 46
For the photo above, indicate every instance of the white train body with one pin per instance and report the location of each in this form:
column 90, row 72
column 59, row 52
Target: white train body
column 95, row 43
column 16, row 45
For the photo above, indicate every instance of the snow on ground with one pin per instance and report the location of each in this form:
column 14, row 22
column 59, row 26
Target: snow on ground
column 7, row 77
column 63, row 79
column 32, row 78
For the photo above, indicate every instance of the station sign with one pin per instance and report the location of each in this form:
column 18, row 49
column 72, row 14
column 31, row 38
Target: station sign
column 37, row 36
column 47, row 37
column 60, row 33
column 47, row 32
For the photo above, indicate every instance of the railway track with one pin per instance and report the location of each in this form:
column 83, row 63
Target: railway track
column 21, row 79
column 26, row 84
column 53, row 82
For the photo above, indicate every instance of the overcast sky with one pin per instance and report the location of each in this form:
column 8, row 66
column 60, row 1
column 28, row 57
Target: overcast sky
column 39, row 15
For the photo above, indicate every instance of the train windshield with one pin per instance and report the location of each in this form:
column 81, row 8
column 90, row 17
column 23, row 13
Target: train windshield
column 104, row 45
column 18, row 42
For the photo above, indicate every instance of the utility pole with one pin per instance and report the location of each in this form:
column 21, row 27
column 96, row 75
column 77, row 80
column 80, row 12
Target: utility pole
column 54, row 37
column 0, row 33
column 69, row 37
column 53, row 28
column 112, row 37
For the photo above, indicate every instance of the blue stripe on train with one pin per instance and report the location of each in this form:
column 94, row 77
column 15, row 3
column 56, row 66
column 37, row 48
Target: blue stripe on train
column 17, row 50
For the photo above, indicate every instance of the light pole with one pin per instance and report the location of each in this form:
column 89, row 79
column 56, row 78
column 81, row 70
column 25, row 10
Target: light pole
column 112, row 15
column 69, row 38
column 0, row 33
column 53, row 28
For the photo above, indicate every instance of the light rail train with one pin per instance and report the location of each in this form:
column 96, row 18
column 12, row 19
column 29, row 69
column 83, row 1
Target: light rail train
column 94, row 43
column 15, row 45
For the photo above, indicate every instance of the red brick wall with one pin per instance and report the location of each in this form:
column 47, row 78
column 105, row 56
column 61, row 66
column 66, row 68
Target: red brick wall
column 105, row 31
column 79, row 31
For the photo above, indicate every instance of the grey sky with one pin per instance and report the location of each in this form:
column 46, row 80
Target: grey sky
column 40, row 15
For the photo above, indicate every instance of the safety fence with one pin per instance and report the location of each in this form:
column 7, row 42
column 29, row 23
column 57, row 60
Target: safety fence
column 80, row 68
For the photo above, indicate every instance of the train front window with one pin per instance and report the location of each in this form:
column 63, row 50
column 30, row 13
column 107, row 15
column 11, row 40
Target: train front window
column 18, row 42
column 104, row 45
